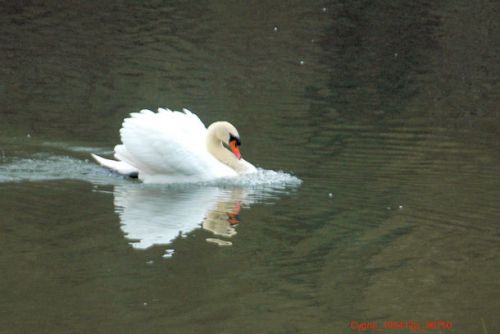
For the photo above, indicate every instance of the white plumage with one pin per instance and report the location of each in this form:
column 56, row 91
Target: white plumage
column 174, row 147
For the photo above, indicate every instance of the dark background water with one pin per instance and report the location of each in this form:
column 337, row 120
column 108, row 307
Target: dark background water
column 389, row 106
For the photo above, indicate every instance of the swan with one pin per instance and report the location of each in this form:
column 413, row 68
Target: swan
column 175, row 147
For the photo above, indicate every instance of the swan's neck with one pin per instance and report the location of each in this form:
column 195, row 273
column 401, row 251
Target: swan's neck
column 215, row 147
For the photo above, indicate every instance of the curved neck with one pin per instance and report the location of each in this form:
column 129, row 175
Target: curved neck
column 215, row 147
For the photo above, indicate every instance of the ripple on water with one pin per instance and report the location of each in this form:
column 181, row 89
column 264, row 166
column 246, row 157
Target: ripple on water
column 41, row 168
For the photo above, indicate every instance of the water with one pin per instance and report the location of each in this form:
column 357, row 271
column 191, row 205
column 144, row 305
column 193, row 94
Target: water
column 386, row 112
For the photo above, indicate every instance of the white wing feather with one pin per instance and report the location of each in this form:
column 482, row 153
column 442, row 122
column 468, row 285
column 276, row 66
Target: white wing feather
column 118, row 166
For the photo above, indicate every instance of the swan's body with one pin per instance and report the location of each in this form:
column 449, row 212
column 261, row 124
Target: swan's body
column 175, row 147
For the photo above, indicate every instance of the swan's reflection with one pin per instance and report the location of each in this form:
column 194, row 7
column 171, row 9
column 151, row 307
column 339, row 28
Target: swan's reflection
column 153, row 215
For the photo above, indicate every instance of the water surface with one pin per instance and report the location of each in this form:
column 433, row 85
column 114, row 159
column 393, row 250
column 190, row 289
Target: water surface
column 386, row 112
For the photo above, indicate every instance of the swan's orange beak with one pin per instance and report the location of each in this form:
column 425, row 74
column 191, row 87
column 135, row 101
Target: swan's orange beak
column 233, row 145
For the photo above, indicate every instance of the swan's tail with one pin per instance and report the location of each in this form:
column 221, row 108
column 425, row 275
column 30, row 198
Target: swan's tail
column 120, row 167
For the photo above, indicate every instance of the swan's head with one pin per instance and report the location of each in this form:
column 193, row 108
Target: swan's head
column 227, row 134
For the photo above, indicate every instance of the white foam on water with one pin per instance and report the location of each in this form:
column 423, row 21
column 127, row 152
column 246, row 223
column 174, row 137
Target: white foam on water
column 263, row 177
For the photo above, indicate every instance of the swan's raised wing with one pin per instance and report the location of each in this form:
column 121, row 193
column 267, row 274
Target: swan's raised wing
column 167, row 144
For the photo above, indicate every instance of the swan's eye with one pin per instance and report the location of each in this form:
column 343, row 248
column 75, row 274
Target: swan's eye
column 236, row 139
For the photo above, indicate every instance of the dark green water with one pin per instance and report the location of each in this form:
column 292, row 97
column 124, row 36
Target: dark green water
column 387, row 111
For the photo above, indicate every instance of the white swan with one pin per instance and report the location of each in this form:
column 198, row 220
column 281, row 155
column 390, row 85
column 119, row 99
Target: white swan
column 175, row 147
